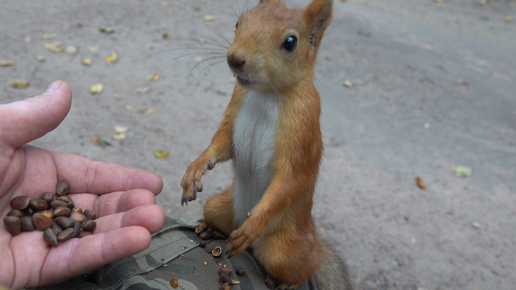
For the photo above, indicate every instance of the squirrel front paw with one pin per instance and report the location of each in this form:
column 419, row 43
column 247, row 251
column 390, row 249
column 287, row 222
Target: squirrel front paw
column 245, row 236
column 191, row 181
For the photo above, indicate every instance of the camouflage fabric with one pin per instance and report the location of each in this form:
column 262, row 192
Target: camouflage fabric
column 174, row 253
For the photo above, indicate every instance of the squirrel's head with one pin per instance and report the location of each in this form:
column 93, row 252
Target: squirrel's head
column 275, row 47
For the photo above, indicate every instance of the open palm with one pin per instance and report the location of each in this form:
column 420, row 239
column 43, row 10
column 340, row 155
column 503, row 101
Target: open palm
column 124, row 198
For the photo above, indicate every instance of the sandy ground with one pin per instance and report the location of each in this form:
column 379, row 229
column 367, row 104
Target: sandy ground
column 405, row 116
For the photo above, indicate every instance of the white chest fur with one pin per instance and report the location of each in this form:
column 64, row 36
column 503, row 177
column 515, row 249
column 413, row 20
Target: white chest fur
column 253, row 150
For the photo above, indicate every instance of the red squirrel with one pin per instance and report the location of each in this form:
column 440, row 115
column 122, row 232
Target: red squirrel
column 271, row 132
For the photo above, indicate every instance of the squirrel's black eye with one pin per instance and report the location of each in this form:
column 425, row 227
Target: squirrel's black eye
column 290, row 43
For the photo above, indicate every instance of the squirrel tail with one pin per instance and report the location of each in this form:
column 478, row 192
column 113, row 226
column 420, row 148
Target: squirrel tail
column 334, row 273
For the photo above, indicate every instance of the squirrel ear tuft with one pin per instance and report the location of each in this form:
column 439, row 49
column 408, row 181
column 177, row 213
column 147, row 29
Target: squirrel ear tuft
column 318, row 16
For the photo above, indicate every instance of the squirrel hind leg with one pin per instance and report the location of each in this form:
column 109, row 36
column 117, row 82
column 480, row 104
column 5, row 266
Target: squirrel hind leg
column 218, row 211
column 289, row 257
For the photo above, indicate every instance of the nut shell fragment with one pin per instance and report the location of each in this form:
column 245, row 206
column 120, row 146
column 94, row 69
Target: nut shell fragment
column 217, row 251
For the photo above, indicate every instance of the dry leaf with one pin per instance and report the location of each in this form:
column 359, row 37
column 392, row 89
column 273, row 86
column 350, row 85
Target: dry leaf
column 49, row 36
column 112, row 58
column 159, row 130
column 55, row 47
column 96, row 88
column 462, row 83
column 94, row 48
column 507, row 19
column 143, row 90
column 147, row 111
column 119, row 136
column 420, row 183
column 166, row 36
column 209, row 18
column 27, row 39
column 202, row 41
column 127, row 107
column 41, row 58
column 70, row 49
column 6, row 62
column 20, row 84
column 462, row 171
column 161, row 154
column 86, row 61
column 101, row 141
column 107, row 29
column 348, row 84
column 165, row 3
column 121, row 129
column 154, row 76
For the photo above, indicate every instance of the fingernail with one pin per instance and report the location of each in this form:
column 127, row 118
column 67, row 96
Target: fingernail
column 53, row 86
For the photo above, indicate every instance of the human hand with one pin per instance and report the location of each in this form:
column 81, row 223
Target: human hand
column 123, row 198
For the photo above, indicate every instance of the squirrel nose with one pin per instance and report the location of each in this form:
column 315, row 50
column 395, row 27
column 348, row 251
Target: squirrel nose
column 236, row 62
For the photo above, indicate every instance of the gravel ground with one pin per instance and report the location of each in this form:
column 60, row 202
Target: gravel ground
column 433, row 86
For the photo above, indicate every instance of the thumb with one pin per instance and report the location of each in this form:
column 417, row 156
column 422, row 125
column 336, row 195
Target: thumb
column 27, row 120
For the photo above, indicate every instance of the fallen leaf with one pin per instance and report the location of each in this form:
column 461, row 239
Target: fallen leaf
column 119, row 136
column 6, row 62
column 420, row 183
column 107, row 29
column 20, row 84
column 154, row 76
column 55, row 47
column 112, row 58
column 197, row 8
column 27, row 39
column 202, row 41
column 462, row 83
column 41, row 58
column 127, row 107
column 348, row 84
column 158, row 130
column 507, row 19
column 166, row 36
column 209, row 18
column 143, row 90
column 147, row 111
column 165, row 3
column 121, row 129
column 96, row 88
column 115, row 95
column 70, row 49
column 94, row 48
column 101, row 141
column 86, row 61
column 161, row 154
column 462, row 171
column 49, row 36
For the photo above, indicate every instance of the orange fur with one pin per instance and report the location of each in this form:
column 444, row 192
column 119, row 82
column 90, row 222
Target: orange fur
column 280, row 226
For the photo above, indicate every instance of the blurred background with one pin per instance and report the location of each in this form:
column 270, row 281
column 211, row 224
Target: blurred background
column 410, row 89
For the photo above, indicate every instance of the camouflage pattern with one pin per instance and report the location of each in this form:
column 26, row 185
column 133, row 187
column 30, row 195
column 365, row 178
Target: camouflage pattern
column 174, row 253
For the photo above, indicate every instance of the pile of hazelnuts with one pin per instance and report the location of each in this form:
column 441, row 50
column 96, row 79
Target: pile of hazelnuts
column 54, row 214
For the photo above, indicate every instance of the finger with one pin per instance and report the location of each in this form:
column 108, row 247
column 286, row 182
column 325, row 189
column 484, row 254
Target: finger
column 78, row 256
column 149, row 216
column 32, row 118
column 85, row 175
column 114, row 202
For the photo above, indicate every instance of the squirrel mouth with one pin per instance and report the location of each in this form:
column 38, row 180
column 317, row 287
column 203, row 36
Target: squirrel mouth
column 243, row 81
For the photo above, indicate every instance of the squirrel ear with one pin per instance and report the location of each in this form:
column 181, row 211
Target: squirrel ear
column 318, row 16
